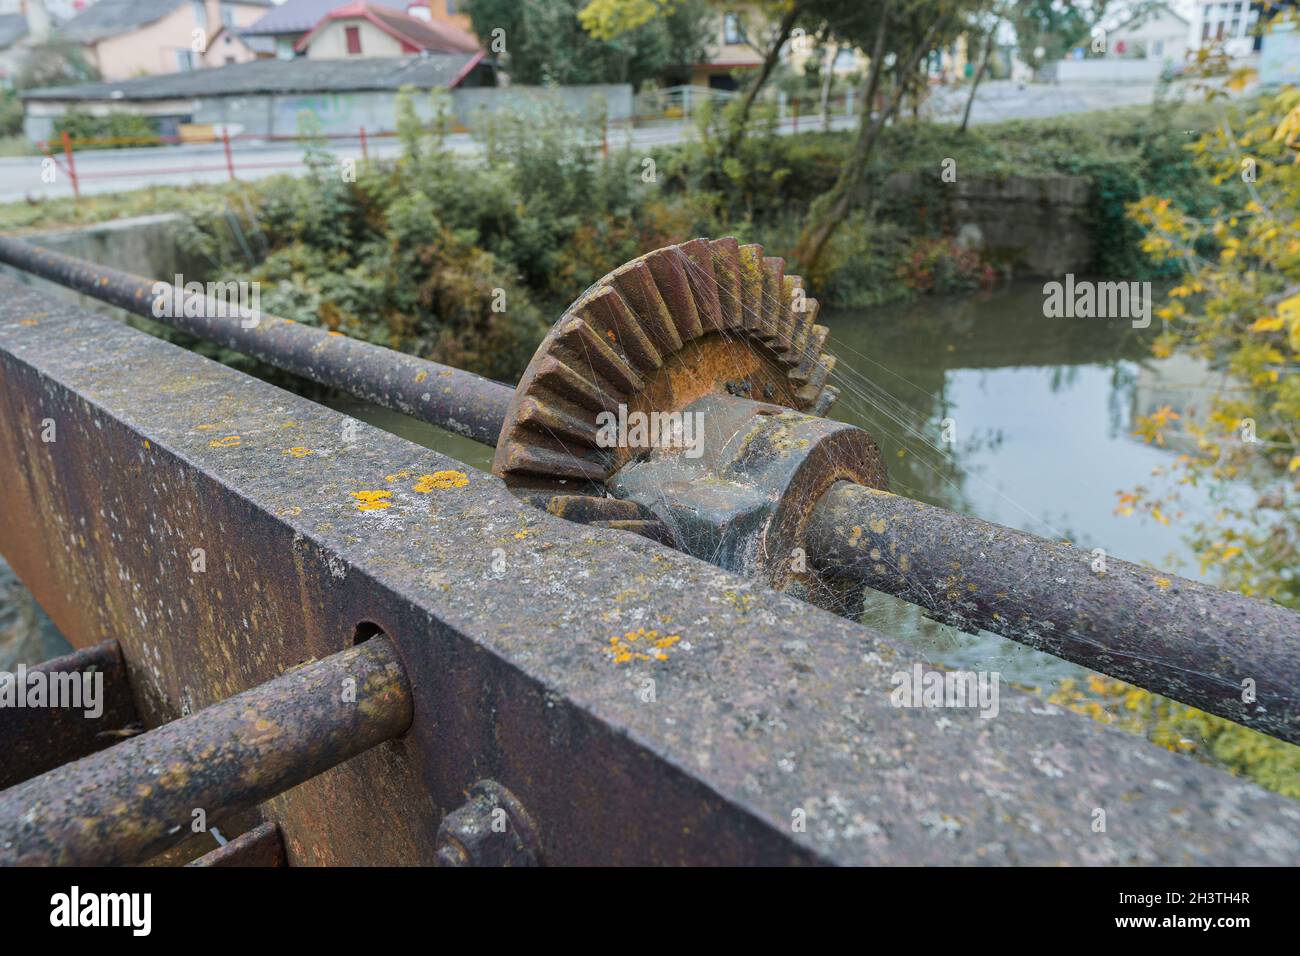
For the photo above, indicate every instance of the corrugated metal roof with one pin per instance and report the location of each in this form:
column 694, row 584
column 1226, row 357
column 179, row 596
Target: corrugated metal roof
column 433, row 71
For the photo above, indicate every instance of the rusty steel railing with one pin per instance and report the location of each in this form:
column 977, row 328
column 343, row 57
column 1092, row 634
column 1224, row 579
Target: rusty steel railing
column 1225, row 653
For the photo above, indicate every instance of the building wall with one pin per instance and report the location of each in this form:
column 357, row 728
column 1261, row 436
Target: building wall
column 1161, row 37
column 451, row 11
column 263, row 115
column 331, row 42
column 156, row 47
column 226, row 49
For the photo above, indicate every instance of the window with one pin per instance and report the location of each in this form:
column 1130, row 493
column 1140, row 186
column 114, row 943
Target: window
column 228, row 14
column 184, row 60
column 732, row 32
column 450, row 6
column 284, row 48
column 354, row 40
column 200, row 13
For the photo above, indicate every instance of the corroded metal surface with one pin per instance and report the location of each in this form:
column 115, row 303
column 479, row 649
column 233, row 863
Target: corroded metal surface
column 1234, row 656
column 524, row 640
column 260, row 846
column 740, row 499
column 450, row 398
column 36, row 739
column 128, row 803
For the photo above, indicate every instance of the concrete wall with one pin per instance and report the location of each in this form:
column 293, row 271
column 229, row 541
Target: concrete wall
column 1109, row 70
column 1039, row 224
column 143, row 245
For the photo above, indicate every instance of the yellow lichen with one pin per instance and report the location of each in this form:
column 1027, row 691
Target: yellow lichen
column 629, row 647
column 297, row 452
column 372, row 500
column 1163, row 583
column 421, row 376
column 441, row 481
column 230, row 441
column 397, row 475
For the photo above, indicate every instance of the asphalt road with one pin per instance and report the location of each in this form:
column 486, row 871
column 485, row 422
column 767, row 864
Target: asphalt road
column 121, row 170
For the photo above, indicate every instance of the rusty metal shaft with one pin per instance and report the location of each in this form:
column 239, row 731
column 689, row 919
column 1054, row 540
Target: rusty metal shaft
column 1222, row 652
column 130, row 802
column 36, row 739
column 448, row 397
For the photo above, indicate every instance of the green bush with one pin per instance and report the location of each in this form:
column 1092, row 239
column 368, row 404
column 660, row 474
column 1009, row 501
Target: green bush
column 114, row 131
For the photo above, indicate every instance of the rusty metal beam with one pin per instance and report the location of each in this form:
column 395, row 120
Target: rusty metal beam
column 260, row 846
column 450, row 398
column 1231, row 655
column 766, row 734
column 34, row 739
column 125, row 804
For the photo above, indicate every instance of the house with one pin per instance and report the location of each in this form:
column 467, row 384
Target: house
column 368, row 29
column 266, row 97
column 1230, row 23
column 287, row 24
column 126, row 38
column 229, row 46
column 21, row 24
column 1157, row 33
column 731, row 49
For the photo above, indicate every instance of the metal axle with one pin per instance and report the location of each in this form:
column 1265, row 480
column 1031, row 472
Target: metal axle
column 132, row 801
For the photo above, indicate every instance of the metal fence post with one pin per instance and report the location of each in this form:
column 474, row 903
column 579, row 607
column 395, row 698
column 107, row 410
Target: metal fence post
column 72, row 166
column 230, row 160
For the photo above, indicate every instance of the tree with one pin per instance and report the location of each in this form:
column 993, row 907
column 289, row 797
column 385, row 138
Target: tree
column 901, row 33
column 545, row 42
column 1053, row 27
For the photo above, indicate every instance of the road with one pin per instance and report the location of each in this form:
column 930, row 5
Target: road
column 122, row 170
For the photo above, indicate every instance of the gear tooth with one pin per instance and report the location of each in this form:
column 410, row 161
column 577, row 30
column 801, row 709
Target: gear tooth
column 557, row 377
column 751, row 287
column 704, row 284
column 608, row 314
column 726, row 269
column 533, row 459
column 817, row 376
column 830, row 394
column 563, row 420
column 668, row 269
column 774, row 299
column 804, row 322
column 637, row 286
column 812, row 352
column 592, row 351
column 586, row 509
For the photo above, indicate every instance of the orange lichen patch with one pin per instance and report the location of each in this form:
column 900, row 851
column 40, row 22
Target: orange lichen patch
column 372, row 500
column 397, row 475
column 421, row 376
column 339, row 334
column 230, row 441
column 641, row 645
column 291, row 512
column 27, row 322
column 297, row 452
column 1163, row 583
column 205, row 428
column 440, row 481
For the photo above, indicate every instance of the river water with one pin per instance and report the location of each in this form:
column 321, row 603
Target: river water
column 1042, row 412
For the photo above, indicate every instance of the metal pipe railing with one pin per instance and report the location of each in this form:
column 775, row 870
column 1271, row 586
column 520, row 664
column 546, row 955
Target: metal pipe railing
column 450, row 398
column 1228, row 654
column 126, row 804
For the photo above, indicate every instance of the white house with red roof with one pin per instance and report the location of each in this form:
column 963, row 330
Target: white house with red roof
column 369, row 29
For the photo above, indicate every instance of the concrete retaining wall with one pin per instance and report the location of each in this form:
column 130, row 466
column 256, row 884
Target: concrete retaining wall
column 1039, row 224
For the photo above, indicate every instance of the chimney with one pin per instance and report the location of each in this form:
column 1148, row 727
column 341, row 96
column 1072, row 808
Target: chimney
column 38, row 20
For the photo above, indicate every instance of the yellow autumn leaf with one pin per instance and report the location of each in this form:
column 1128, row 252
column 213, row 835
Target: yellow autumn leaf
column 1269, row 323
column 1295, row 464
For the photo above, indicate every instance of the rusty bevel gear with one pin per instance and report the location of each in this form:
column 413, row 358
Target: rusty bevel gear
column 685, row 321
